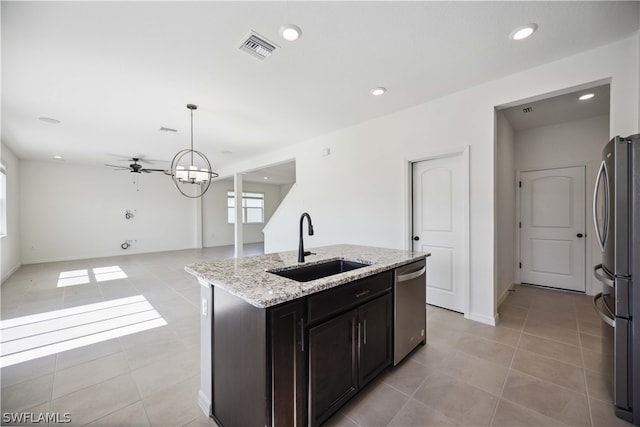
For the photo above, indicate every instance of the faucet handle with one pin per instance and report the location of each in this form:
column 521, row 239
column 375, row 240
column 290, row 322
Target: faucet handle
column 309, row 253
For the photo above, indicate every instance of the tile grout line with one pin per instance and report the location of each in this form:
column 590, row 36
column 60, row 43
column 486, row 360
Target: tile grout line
column 584, row 370
column 504, row 383
column 130, row 373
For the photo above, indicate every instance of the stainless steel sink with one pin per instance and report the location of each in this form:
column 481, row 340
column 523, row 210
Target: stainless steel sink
column 306, row 273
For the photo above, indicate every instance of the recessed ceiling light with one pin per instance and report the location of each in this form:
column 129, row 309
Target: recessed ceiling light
column 523, row 32
column 49, row 120
column 290, row 32
column 586, row 96
column 265, row 177
column 377, row 91
column 58, row 157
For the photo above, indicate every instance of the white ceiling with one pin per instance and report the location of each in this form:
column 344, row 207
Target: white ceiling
column 113, row 73
column 559, row 109
column 283, row 173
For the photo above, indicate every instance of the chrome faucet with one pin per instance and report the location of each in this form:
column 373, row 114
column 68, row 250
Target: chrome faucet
column 301, row 251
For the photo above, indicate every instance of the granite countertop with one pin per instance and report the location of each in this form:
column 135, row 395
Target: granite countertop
column 248, row 278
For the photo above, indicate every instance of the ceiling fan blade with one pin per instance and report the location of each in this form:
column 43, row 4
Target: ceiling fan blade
column 137, row 158
column 150, row 161
column 118, row 166
column 153, row 170
column 121, row 157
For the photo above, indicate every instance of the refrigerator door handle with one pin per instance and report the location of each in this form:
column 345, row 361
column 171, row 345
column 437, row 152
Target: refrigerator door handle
column 609, row 320
column 603, row 277
column 601, row 238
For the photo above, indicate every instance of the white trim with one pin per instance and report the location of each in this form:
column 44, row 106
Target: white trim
column 487, row 320
column 408, row 217
column 245, row 195
column 204, row 403
column 198, row 229
column 101, row 255
column 504, row 296
column 8, row 274
column 238, row 226
column 589, row 287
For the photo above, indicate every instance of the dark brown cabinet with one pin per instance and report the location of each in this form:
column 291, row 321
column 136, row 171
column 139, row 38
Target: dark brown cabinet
column 349, row 350
column 288, row 365
column 297, row 363
column 333, row 370
column 375, row 338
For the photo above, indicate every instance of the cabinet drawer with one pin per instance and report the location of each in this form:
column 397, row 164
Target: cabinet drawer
column 335, row 300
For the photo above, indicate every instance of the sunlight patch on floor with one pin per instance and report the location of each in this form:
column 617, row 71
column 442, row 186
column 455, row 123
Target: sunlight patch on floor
column 29, row 337
column 81, row 277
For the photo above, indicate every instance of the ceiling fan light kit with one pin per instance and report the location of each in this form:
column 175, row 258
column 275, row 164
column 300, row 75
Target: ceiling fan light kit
column 191, row 173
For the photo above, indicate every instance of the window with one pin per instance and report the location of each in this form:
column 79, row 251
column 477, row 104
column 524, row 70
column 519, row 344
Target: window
column 3, row 201
column 252, row 208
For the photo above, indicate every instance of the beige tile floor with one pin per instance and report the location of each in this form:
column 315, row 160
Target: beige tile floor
column 541, row 366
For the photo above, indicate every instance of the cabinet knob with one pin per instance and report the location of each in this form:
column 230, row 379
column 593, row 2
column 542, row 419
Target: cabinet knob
column 416, row 238
column 579, row 235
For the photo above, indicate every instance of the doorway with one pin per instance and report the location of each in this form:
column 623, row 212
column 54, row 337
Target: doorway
column 552, row 228
column 546, row 132
column 440, row 220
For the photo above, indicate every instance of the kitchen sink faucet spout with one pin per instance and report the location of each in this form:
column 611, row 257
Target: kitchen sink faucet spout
column 301, row 251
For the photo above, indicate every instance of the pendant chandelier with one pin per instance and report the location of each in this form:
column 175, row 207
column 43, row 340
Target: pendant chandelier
column 192, row 167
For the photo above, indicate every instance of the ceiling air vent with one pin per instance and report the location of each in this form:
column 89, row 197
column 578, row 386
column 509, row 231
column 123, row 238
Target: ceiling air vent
column 527, row 109
column 258, row 46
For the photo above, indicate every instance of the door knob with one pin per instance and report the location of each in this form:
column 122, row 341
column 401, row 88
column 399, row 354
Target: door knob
column 579, row 235
column 416, row 238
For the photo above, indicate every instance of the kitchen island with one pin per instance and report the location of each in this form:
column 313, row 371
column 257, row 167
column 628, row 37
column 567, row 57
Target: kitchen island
column 277, row 351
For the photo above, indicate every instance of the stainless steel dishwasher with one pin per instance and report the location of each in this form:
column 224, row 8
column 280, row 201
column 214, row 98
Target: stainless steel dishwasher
column 409, row 308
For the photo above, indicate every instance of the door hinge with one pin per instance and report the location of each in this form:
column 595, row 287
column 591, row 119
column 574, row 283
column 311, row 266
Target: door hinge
column 520, row 224
column 520, row 184
column 520, row 265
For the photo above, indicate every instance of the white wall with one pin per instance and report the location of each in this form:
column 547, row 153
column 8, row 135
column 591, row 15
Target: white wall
column 75, row 212
column 505, row 209
column 217, row 231
column 573, row 143
column 358, row 194
column 10, row 250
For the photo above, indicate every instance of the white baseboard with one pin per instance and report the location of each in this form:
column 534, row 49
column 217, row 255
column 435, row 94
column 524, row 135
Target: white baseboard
column 7, row 275
column 109, row 254
column 504, row 295
column 204, row 403
column 487, row 320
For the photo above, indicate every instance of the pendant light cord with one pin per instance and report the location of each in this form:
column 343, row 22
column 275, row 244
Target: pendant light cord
column 191, row 136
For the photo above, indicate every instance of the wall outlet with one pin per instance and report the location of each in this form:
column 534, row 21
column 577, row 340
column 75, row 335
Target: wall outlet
column 204, row 307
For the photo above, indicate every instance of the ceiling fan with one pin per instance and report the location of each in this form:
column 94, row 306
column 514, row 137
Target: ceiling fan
column 136, row 167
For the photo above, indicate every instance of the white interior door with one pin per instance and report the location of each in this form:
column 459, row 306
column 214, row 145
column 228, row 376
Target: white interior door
column 552, row 235
column 439, row 227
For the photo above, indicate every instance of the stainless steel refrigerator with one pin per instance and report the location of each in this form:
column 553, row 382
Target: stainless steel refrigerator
column 616, row 211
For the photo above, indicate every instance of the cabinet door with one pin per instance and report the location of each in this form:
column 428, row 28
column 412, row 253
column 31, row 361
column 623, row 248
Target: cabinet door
column 374, row 324
column 288, row 385
column 332, row 366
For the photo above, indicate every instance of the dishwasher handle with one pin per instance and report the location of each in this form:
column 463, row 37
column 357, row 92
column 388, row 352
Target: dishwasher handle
column 410, row 276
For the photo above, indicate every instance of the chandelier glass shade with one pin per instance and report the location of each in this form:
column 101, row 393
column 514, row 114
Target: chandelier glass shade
column 190, row 166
